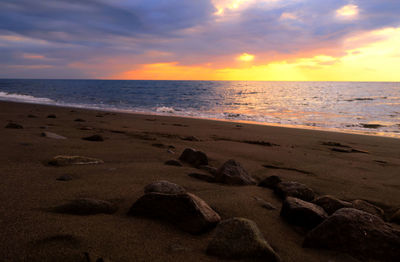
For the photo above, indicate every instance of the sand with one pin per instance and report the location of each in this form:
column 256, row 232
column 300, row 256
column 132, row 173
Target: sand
column 29, row 187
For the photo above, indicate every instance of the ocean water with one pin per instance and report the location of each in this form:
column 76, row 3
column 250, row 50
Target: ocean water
column 356, row 107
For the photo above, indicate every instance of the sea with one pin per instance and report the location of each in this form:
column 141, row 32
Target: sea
column 371, row 108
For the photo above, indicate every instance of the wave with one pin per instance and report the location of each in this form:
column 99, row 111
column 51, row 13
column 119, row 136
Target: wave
column 25, row 98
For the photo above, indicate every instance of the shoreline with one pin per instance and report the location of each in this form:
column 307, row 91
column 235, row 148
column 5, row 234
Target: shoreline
column 134, row 150
column 238, row 121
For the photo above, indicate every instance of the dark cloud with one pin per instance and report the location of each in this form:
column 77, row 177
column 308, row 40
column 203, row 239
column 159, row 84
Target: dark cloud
column 91, row 31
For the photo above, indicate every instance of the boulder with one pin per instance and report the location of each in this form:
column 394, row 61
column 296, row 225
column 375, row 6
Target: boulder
column 52, row 135
column 186, row 211
column 302, row 213
column 164, row 187
column 14, row 126
column 358, row 233
column 368, row 207
column 330, row 204
column 86, row 206
column 204, row 177
column 74, row 160
column 194, row 157
column 395, row 218
column 294, row 189
column 173, row 162
column 270, row 182
column 240, row 238
column 94, row 138
column 232, row 173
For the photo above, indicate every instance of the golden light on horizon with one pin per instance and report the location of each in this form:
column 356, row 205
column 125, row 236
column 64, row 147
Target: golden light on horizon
column 348, row 11
column 246, row 57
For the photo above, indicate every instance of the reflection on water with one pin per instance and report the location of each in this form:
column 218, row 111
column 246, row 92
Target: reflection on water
column 351, row 106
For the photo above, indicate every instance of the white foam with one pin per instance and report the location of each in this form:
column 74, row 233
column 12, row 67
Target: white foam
column 165, row 109
column 4, row 96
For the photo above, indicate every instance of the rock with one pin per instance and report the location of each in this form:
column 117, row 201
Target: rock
column 173, row 162
column 330, row 204
column 204, row 177
column 358, row 233
column 369, row 208
column 14, row 126
column 74, row 160
column 164, row 187
column 190, row 138
column 302, row 213
column 51, row 116
column 240, row 238
column 64, row 178
column 265, row 204
column 86, row 128
column 96, row 138
column 194, row 157
column 186, row 211
column 52, row 135
column 210, row 169
column 86, row 206
column 232, row 173
column 395, row 218
column 90, row 257
column 32, row 116
column 270, row 182
column 79, row 120
column 294, row 189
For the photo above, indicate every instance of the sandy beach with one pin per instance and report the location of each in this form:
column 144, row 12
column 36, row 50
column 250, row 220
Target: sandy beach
column 134, row 151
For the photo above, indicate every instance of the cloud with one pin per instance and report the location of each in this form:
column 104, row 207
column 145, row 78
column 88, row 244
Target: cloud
column 109, row 36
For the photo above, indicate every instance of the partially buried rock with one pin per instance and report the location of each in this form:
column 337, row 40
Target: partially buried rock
column 52, row 116
column 369, row 208
column 86, row 206
column 53, row 135
column 330, row 204
column 233, row 173
column 194, row 157
column 190, row 138
column 173, row 162
column 204, row 177
column 270, row 182
column 186, row 211
column 358, row 233
column 79, row 120
column 396, row 217
column 95, row 138
column 265, row 204
column 240, row 238
column 64, row 178
column 302, row 213
column 294, row 189
column 74, row 160
column 164, row 187
column 210, row 169
column 13, row 125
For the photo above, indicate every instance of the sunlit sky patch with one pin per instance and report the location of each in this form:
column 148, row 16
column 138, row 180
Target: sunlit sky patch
column 201, row 39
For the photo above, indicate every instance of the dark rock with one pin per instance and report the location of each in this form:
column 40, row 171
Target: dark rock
column 14, row 126
column 164, row 187
column 358, row 233
column 190, row 138
column 302, row 213
column 74, row 160
column 204, row 177
column 86, row 128
column 173, row 162
column 51, row 116
column 86, row 206
column 265, row 204
column 186, row 211
column 240, row 238
column 232, row 173
column 270, row 182
column 210, row 169
column 90, row 257
column 369, row 208
column 32, row 116
column 396, row 217
column 52, row 135
column 95, row 138
column 64, row 178
column 194, row 157
column 330, row 204
column 79, row 120
column 294, row 189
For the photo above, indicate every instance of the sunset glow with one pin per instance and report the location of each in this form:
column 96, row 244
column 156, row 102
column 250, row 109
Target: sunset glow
column 207, row 39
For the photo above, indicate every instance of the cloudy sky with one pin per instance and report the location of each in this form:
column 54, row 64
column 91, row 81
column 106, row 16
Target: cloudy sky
column 340, row 40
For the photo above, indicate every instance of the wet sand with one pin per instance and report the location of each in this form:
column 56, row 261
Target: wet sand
column 134, row 151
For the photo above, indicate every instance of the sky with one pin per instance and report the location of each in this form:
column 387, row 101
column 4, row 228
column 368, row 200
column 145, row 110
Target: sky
column 277, row 40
